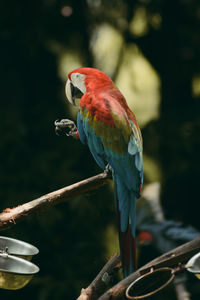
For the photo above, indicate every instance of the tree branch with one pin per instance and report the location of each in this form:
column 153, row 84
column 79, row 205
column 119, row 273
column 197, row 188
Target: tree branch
column 94, row 290
column 10, row 216
column 170, row 259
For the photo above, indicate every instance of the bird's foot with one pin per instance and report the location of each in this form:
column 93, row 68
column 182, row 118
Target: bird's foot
column 65, row 127
column 108, row 169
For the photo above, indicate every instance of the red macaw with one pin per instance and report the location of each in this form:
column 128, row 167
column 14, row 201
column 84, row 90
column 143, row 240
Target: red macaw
column 107, row 125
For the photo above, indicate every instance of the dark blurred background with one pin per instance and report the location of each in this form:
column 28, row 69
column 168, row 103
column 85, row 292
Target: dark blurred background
column 151, row 48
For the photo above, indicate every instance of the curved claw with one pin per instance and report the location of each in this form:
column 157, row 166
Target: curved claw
column 56, row 122
column 64, row 123
column 65, row 126
column 108, row 169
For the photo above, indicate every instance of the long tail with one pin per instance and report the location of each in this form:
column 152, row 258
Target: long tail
column 125, row 201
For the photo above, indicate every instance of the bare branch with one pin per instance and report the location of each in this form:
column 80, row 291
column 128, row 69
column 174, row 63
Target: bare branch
column 10, row 216
column 170, row 259
column 98, row 285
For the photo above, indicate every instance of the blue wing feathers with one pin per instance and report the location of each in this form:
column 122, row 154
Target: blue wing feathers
column 132, row 213
column 138, row 161
column 81, row 131
column 128, row 165
column 132, row 147
column 126, row 205
column 87, row 136
column 128, row 177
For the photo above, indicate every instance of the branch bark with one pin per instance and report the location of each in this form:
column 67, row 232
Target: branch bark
column 10, row 216
column 95, row 289
column 170, row 259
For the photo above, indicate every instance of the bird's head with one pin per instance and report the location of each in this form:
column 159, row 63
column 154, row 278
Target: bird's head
column 84, row 80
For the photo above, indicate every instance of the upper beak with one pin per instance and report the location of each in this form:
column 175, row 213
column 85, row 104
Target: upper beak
column 69, row 92
column 72, row 92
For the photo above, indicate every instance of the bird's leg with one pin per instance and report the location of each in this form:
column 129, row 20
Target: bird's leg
column 66, row 127
column 108, row 169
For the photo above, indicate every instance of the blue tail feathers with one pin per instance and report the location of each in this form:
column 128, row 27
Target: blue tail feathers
column 125, row 202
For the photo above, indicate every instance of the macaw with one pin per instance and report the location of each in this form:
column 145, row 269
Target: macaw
column 107, row 125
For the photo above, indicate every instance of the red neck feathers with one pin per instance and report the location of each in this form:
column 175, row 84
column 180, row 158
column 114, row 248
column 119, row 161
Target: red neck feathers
column 102, row 96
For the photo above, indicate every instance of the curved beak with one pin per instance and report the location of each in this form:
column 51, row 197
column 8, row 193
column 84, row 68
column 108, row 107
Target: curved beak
column 72, row 92
column 69, row 92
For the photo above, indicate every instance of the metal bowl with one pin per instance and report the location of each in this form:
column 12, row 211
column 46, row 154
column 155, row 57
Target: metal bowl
column 15, row 272
column 193, row 265
column 17, row 248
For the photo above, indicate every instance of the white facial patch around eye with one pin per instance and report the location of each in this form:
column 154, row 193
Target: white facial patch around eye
column 78, row 80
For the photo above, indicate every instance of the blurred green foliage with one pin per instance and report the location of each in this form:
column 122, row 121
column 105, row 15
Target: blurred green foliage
column 151, row 49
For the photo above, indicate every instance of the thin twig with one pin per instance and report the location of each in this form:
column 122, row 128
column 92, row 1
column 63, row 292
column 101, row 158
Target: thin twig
column 98, row 285
column 180, row 288
column 10, row 216
column 170, row 259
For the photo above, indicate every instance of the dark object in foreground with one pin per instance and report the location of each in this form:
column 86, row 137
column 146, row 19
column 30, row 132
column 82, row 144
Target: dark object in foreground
column 150, row 283
column 172, row 259
column 65, row 127
column 16, row 270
